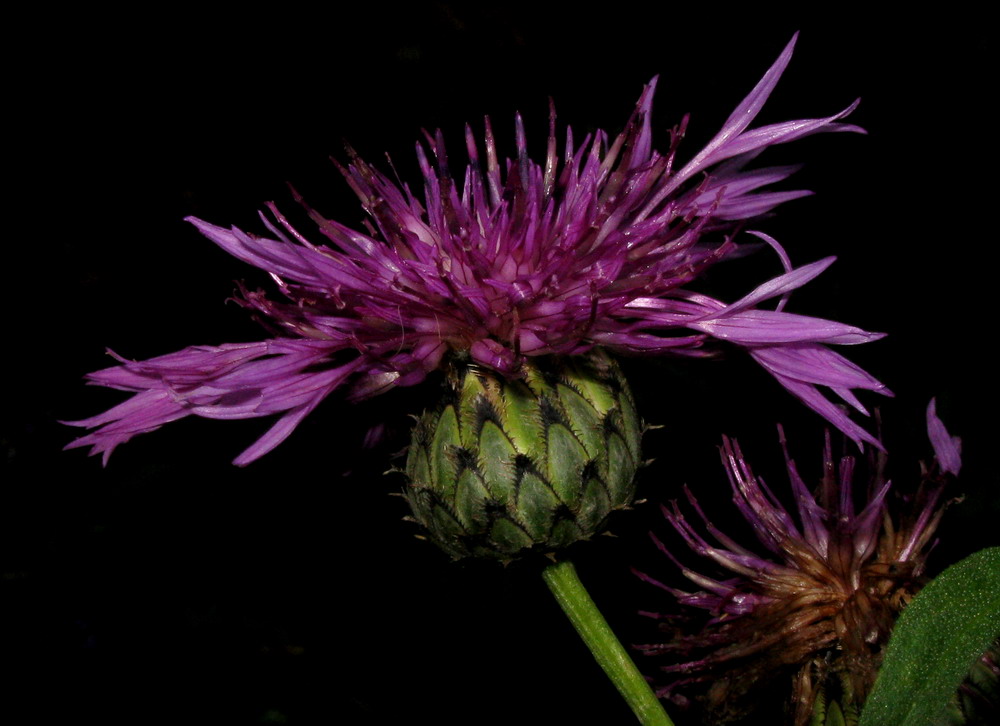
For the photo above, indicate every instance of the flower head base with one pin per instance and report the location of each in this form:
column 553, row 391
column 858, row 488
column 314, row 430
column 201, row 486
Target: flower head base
column 500, row 469
column 512, row 261
column 820, row 606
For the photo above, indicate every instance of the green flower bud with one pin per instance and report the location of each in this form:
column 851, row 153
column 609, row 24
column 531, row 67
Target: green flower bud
column 502, row 467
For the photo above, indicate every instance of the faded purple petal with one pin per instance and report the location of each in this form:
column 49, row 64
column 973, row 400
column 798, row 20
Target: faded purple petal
column 947, row 448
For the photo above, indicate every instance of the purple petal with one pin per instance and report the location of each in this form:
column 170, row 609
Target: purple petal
column 226, row 382
column 512, row 259
column 744, row 114
column 781, row 285
column 801, row 380
column 947, row 448
column 763, row 327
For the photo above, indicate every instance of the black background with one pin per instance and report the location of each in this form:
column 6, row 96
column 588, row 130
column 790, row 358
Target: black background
column 173, row 586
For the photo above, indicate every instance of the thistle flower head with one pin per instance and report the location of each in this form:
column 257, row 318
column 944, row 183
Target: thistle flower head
column 820, row 602
column 592, row 247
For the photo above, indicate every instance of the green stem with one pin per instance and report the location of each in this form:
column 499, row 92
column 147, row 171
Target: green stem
column 576, row 602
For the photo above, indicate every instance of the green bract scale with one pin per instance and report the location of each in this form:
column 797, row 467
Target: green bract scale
column 503, row 467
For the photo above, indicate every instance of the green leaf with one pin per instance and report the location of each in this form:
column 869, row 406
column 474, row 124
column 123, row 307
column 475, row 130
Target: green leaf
column 937, row 639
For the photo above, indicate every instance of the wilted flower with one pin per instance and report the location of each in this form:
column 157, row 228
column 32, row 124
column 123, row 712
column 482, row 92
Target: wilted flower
column 512, row 262
column 819, row 607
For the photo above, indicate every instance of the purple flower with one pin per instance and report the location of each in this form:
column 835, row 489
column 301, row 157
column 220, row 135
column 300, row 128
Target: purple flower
column 513, row 259
column 819, row 605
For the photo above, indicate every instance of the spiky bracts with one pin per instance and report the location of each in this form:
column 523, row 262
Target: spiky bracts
column 501, row 467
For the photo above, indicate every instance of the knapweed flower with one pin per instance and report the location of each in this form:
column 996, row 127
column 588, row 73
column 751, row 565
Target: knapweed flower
column 512, row 262
column 810, row 615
